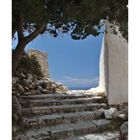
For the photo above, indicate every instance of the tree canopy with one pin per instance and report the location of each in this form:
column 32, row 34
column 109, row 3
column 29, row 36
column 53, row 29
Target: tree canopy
column 79, row 17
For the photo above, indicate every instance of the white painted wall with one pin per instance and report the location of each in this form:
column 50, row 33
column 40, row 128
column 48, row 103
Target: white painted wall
column 113, row 75
column 116, row 70
column 102, row 68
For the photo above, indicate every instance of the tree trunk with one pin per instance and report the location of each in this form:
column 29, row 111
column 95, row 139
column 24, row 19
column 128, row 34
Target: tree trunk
column 16, row 56
column 23, row 41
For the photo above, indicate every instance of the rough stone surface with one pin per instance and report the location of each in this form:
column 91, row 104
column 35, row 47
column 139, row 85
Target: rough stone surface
column 58, row 122
column 98, row 136
column 109, row 113
column 124, row 128
column 42, row 59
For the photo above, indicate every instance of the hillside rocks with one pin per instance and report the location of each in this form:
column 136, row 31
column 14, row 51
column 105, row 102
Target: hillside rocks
column 31, row 78
column 30, row 85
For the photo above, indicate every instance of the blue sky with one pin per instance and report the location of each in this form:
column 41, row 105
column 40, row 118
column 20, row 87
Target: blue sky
column 75, row 63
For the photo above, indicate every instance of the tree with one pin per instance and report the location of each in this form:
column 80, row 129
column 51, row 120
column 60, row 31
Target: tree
column 80, row 18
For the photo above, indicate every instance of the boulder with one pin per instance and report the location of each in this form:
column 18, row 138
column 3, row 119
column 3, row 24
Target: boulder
column 15, row 100
column 29, row 77
column 45, row 91
column 33, row 92
column 123, row 116
column 19, row 87
column 22, row 75
column 14, row 80
column 40, row 88
column 24, row 82
column 124, row 128
column 109, row 113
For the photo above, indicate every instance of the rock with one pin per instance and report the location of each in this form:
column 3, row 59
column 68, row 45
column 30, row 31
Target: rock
column 14, row 80
column 36, row 85
column 27, row 93
column 33, row 92
column 45, row 91
column 26, row 88
column 17, row 109
column 14, row 129
column 38, row 92
column 22, row 75
column 40, row 82
column 40, row 88
column 123, row 116
column 15, row 117
column 31, row 86
column 124, row 128
column 109, row 113
column 24, row 82
column 19, row 88
column 15, row 100
column 29, row 77
column 14, row 92
column 34, row 78
column 45, row 84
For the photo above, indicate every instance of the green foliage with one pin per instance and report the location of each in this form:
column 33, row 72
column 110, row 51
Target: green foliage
column 79, row 17
column 29, row 65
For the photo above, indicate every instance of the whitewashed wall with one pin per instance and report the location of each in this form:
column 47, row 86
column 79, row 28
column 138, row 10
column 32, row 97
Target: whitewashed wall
column 115, row 69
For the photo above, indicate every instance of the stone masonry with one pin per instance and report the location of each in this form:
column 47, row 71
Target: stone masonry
column 42, row 59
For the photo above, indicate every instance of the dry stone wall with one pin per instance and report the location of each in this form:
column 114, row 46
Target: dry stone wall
column 42, row 59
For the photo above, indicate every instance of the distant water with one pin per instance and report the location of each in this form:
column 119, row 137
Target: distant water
column 79, row 88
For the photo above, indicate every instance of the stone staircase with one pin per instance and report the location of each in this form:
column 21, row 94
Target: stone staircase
column 64, row 116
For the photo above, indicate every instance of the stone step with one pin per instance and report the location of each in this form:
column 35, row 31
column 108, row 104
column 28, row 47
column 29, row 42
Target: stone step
column 46, row 102
column 57, row 96
column 62, row 109
column 60, row 132
column 115, row 135
column 86, row 127
column 56, row 119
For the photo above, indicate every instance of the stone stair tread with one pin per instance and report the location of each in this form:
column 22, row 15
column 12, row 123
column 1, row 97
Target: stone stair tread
column 53, row 116
column 56, row 96
column 55, row 119
column 62, row 131
column 47, row 100
column 63, row 108
column 67, row 106
column 83, row 127
column 62, row 102
column 98, row 136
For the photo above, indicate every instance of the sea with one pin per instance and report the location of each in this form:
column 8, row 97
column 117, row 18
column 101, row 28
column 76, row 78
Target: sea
column 79, row 88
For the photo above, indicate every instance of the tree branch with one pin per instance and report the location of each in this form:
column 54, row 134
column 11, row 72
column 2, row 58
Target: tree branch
column 34, row 34
column 20, row 27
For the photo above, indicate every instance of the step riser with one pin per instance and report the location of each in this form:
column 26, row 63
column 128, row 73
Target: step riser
column 64, row 119
column 58, row 97
column 72, row 132
column 60, row 135
column 53, row 103
column 48, row 110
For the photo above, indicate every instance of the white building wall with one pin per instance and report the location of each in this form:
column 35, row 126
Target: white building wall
column 116, row 66
column 102, row 68
column 113, row 75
